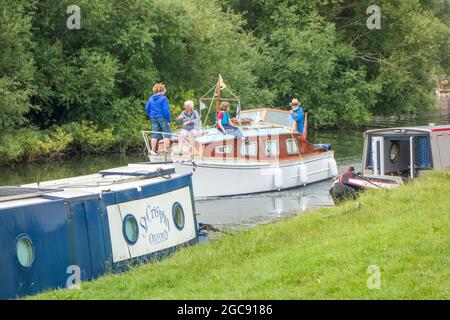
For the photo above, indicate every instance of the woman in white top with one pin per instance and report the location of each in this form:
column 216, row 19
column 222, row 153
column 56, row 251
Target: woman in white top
column 190, row 119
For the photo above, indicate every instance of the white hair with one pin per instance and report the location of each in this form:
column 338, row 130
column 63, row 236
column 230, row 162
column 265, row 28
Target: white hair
column 189, row 103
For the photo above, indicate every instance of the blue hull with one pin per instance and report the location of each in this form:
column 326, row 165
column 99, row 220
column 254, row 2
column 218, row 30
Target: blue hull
column 71, row 232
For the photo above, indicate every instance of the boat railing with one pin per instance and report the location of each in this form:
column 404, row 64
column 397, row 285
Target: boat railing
column 198, row 150
column 167, row 153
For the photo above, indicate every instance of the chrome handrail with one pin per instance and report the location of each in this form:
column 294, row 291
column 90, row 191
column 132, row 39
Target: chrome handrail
column 146, row 134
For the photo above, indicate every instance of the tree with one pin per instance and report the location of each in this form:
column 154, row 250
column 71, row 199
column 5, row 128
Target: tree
column 396, row 62
column 16, row 63
column 307, row 58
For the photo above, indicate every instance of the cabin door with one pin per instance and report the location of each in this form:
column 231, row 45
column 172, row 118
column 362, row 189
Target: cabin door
column 378, row 155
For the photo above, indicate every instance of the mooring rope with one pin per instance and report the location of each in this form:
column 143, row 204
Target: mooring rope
column 358, row 208
column 208, row 227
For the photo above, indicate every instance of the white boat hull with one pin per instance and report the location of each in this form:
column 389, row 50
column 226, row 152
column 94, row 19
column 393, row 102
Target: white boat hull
column 231, row 178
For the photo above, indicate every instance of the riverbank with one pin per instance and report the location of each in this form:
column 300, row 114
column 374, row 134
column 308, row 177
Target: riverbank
column 325, row 254
column 64, row 142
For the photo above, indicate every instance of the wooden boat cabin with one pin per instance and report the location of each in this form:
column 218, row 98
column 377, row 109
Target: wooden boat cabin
column 272, row 136
column 272, row 156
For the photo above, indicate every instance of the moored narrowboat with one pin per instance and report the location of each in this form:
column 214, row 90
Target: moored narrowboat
column 56, row 233
column 394, row 155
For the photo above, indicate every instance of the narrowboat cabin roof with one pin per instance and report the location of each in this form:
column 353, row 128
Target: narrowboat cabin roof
column 404, row 130
column 118, row 179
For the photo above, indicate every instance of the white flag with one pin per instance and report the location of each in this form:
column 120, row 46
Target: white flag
column 222, row 83
column 238, row 112
column 202, row 106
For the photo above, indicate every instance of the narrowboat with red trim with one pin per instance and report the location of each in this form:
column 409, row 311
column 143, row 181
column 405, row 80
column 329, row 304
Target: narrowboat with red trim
column 393, row 156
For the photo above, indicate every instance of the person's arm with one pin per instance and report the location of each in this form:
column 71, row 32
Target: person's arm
column 167, row 110
column 180, row 117
column 148, row 108
column 297, row 116
column 196, row 120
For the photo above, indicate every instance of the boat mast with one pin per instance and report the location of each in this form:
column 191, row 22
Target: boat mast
column 219, row 88
column 217, row 97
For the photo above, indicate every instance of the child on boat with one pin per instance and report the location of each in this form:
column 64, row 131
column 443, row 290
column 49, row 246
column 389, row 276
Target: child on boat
column 223, row 123
column 190, row 119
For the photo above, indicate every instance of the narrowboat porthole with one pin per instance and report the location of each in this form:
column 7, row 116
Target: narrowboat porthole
column 24, row 252
column 178, row 216
column 130, row 229
column 394, row 152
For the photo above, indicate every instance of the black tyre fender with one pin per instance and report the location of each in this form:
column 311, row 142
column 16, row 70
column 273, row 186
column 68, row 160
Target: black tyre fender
column 341, row 192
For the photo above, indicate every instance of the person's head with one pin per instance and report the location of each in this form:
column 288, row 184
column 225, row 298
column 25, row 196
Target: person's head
column 225, row 106
column 189, row 106
column 159, row 88
column 295, row 103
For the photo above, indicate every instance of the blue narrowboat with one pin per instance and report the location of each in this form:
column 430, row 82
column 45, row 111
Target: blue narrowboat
column 57, row 233
column 394, row 155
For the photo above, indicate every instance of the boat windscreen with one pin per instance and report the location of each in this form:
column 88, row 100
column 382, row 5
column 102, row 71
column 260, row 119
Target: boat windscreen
column 279, row 118
column 254, row 116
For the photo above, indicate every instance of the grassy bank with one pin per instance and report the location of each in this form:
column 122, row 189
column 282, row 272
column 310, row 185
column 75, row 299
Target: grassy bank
column 405, row 232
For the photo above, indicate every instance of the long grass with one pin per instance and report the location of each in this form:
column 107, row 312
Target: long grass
column 403, row 232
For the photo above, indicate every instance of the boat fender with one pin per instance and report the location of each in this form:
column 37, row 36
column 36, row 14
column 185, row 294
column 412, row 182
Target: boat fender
column 278, row 205
column 278, row 178
column 333, row 168
column 303, row 173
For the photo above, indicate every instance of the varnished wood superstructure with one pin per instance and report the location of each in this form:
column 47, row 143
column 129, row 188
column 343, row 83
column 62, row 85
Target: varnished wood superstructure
column 263, row 127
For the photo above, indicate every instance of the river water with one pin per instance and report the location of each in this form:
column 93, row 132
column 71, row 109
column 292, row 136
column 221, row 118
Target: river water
column 246, row 211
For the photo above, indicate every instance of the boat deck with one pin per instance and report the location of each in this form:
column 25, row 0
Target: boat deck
column 17, row 193
column 123, row 178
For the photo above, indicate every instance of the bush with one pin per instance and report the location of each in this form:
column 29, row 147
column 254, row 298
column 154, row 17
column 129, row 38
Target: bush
column 87, row 138
column 32, row 144
column 58, row 142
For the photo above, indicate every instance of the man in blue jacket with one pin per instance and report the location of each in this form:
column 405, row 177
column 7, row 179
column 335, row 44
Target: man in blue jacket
column 158, row 111
column 297, row 114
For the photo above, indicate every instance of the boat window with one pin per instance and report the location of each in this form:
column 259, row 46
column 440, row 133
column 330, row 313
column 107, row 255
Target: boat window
column 251, row 116
column 224, row 149
column 280, row 118
column 130, row 229
column 178, row 216
column 291, row 146
column 24, row 252
column 394, row 152
column 249, row 149
column 272, row 148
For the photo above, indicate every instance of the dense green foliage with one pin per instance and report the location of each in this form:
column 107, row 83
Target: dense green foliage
column 54, row 80
column 404, row 232
column 324, row 52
